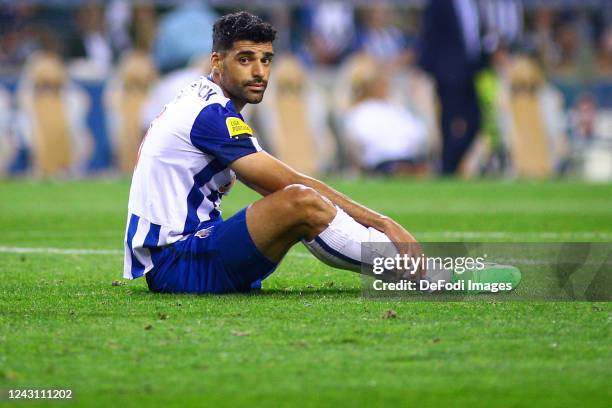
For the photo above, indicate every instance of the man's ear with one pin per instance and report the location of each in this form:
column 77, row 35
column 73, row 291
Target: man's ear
column 216, row 63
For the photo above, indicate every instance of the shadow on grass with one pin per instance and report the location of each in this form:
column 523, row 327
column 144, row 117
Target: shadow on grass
column 278, row 293
column 288, row 292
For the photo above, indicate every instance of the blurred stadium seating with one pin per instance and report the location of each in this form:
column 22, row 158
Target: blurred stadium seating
column 545, row 91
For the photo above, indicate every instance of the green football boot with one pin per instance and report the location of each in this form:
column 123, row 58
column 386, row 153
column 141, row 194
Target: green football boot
column 492, row 278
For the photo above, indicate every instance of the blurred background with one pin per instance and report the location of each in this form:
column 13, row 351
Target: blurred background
column 416, row 88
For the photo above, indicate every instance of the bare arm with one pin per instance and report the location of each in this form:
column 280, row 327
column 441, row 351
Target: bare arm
column 266, row 174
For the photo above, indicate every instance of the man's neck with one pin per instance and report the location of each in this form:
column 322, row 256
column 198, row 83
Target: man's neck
column 237, row 104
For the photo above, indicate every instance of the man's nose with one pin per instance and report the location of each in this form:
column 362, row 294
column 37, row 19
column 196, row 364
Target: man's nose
column 258, row 70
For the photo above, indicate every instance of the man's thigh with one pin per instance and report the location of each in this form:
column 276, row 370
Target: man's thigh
column 279, row 220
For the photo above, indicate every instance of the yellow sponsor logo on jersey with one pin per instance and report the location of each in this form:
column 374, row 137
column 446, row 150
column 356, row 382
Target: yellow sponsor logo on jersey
column 237, row 127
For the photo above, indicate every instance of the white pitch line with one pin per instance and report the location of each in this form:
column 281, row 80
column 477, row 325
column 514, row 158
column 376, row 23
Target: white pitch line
column 84, row 251
column 59, row 251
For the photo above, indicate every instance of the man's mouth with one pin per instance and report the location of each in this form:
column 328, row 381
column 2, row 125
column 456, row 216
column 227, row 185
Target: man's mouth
column 256, row 86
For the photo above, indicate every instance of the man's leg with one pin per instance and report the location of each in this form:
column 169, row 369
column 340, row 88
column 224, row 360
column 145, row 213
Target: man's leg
column 460, row 123
column 296, row 213
column 278, row 221
column 299, row 213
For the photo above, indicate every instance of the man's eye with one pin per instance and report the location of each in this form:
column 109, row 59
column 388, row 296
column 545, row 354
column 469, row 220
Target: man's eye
column 267, row 61
column 244, row 60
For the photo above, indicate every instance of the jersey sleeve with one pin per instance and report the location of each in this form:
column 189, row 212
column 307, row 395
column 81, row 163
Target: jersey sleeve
column 222, row 133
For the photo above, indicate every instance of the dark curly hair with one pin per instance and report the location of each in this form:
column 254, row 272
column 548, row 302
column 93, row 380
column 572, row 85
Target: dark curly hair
column 241, row 25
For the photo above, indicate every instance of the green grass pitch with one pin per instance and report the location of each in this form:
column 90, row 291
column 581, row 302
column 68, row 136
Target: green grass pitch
column 309, row 338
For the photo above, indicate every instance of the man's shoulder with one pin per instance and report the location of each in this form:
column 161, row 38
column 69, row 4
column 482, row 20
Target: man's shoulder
column 198, row 103
column 215, row 110
column 215, row 126
column 200, row 94
column 218, row 120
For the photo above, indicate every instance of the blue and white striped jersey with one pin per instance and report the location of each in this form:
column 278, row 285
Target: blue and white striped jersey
column 183, row 161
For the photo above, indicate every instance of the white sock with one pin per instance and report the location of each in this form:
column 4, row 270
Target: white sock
column 339, row 245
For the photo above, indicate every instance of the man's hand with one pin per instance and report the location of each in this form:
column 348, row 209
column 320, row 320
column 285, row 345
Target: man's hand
column 405, row 243
column 224, row 189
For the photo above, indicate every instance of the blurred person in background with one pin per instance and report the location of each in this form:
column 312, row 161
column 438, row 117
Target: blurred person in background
column 130, row 25
column 451, row 52
column 118, row 14
column 502, row 24
column 502, row 32
column 488, row 154
column 591, row 141
column 329, row 33
column 383, row 138
column 182, row 34
column 91, row 43
column 379, row 37
column 582, row 121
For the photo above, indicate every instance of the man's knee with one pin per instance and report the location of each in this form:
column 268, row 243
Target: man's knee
column 308, row 205
column 305, row 198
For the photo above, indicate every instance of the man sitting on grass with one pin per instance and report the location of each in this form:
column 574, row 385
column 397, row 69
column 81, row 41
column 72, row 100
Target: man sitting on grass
column 191, row 156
